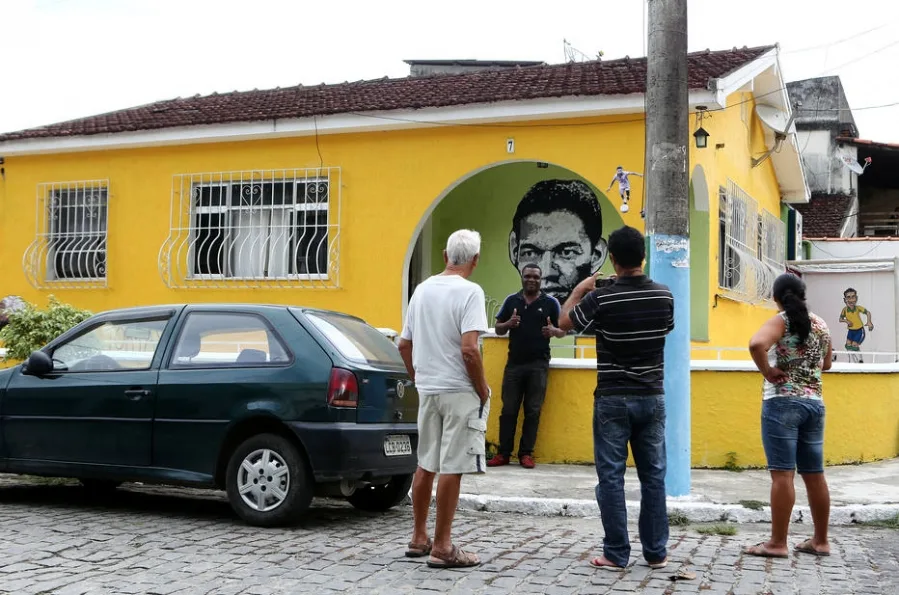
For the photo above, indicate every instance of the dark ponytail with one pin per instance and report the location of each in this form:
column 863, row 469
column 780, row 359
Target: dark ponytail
column 789, row 291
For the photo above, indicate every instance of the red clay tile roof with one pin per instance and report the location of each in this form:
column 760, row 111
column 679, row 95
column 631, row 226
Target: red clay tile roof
column 860, row 142
column 824, row 215
column 612, row 77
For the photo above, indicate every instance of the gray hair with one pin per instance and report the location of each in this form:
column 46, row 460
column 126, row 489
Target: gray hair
column 462, row 246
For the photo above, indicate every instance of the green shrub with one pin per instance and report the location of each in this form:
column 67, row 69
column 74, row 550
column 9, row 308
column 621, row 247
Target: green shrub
column 717, row 530
column 677, row 519
column 29, row 328
column 730, row 463
column 753, row 504
column 891, row 523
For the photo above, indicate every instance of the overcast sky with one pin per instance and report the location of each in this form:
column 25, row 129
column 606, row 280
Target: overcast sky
column 63, row 59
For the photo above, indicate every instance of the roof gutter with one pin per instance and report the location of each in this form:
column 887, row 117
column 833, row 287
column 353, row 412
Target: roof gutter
column 355, row 122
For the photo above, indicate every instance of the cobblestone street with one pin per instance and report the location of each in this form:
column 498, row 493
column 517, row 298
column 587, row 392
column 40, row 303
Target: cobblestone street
column 153, row 540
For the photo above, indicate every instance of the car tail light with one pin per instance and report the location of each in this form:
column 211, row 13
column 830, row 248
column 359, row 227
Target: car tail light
column 343, row 389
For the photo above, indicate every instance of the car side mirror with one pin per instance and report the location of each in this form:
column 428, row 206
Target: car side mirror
column 38, row 364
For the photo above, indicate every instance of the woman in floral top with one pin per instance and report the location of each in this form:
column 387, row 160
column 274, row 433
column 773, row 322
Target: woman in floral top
column 791, row 350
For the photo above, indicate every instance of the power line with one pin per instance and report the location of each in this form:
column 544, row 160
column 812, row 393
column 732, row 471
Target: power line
column 839, row 41
column 876, row 246
column 849, row 109
column 863, row 56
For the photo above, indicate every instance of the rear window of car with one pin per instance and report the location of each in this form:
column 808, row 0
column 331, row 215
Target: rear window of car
column 356, row 340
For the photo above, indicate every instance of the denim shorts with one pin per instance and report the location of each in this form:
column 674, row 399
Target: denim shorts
column 793, row 434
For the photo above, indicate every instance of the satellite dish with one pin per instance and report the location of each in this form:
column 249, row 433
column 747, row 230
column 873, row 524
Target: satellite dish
column 778, row 121
column 775, row 119
column 852, row 164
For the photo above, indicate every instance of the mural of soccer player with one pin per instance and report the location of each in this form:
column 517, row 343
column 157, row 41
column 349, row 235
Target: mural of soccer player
column 852, row 316
column 624, row 186
column 558, row 226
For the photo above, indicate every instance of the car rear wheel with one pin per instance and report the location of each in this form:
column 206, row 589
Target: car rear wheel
column 268, row 481
column 378, row 498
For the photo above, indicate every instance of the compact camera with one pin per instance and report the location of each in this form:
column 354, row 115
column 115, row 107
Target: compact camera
column 603, row 282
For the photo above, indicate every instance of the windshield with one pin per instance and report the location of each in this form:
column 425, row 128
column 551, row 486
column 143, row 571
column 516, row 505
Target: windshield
column 356, row 340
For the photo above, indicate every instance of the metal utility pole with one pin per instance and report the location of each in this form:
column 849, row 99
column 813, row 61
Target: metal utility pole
column 668, row 215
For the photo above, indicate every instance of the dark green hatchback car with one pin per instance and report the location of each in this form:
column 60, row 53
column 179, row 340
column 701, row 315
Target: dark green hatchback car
column 273, row 404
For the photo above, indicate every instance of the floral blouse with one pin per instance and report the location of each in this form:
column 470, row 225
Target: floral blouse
column 801, row 362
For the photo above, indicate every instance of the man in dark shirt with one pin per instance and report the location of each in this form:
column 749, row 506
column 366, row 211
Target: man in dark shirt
column 531, row 318
column 630, row 316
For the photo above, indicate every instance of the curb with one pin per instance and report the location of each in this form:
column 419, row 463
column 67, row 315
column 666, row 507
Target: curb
column 695, row 512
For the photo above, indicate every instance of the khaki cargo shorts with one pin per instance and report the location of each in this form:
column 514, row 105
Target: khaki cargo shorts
column 451, row 433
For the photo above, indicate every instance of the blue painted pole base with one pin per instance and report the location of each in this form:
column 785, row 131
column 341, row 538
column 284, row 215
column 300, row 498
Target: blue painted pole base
column 669, row 262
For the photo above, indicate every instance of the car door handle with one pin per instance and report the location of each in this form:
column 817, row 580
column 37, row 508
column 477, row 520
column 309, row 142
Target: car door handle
column 137, row 394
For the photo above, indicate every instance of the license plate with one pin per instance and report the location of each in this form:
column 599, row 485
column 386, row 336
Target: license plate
column 396, row 446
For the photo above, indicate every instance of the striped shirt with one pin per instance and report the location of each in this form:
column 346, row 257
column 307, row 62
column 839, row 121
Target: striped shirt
column 630, row 319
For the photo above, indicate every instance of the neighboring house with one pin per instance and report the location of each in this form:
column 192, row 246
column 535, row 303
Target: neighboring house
column 876, row 213
column 823, row 116
column 342, row 196
column 844, row 203
column 847, row 223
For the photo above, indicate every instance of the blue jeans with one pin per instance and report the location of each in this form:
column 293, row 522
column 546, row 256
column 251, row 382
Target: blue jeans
column 640, row 421
column 793, row 434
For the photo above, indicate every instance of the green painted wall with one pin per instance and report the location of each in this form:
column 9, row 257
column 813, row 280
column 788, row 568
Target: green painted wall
column 699, row 270
column 486, row 203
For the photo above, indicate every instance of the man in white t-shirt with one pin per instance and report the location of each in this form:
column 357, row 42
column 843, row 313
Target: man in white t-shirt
column 439, row 345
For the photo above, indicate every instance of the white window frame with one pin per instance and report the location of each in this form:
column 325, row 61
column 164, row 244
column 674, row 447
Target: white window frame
column 83, row 208
column 245, row 252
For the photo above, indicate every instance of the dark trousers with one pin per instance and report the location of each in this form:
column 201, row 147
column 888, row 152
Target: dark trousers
column 522, row 383
column 618, row 420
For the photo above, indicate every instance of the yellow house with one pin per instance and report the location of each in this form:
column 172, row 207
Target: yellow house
column 342, row 197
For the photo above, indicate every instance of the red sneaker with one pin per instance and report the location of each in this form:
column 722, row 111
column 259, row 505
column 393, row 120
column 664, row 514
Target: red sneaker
column 527, row 461
column 498, row 461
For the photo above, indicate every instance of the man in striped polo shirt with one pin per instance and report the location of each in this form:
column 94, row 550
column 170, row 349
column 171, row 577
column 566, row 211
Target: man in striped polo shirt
column 630, row 316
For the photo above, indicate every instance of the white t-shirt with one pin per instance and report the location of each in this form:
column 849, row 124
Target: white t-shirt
column 442, row 308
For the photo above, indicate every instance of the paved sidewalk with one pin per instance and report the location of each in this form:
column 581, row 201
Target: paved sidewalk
column 858, row 492
column 162, row 541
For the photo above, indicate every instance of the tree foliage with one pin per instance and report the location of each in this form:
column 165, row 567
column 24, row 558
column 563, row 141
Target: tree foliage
column 27, row 328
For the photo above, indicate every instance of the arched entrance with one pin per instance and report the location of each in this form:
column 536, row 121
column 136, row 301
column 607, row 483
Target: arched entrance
column 525, row 211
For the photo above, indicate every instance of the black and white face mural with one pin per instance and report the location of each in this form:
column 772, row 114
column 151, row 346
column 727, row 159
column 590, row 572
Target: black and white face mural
column 558, row 227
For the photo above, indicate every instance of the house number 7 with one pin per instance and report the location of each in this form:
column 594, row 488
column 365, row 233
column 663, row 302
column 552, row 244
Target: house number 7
column 510, row 145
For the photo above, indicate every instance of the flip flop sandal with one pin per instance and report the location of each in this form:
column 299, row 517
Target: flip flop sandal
column 456, row 559
column 806, row 547
column 419, row 550
column 609, row 567
column 760, row 551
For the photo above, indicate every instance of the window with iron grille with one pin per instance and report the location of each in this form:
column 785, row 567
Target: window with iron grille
column 69, row 249
column 750, row 247
column 773, row 241
column 266, row 228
